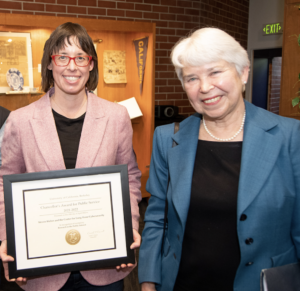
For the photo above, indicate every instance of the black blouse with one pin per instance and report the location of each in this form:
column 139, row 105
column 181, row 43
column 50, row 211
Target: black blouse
column 210, row 251
column 69, row 133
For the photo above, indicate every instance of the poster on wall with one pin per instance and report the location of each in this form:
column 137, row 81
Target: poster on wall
column 15, row 62
column 114, row 67
column 141, row 47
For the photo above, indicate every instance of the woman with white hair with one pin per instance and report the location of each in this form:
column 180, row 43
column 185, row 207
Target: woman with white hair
column 225, row 200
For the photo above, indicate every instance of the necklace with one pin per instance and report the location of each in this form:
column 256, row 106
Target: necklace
column 226, row 139
column 67, row 115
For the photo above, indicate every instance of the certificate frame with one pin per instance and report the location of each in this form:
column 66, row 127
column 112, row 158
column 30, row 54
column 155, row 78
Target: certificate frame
column 22, row 226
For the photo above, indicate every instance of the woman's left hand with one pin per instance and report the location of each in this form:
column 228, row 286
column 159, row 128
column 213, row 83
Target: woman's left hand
column 136, row 243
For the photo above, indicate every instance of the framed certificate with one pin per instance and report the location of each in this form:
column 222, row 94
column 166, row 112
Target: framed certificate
column 68, row 220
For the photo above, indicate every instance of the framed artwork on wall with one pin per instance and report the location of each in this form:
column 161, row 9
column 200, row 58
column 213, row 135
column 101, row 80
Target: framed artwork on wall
column 15, row 62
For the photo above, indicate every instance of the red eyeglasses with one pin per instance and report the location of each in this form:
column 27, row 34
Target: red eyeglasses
column 63, row 61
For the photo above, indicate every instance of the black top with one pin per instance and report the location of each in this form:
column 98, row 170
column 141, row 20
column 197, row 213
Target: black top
column 69, row 133
column 210, row 251
column 3, row 115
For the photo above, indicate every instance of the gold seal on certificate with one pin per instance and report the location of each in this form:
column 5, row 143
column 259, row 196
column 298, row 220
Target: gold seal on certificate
column 73, row 237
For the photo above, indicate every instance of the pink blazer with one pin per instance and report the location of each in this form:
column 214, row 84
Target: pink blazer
column 31, row 144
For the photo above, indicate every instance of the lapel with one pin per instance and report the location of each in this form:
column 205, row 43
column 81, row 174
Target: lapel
column 92, row 132
column 181, row 165
column 261, row 146
column 45, row 134
column 47, row 140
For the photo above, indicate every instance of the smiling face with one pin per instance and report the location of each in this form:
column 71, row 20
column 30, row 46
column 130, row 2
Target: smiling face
column 215, row 89
column 70, row 80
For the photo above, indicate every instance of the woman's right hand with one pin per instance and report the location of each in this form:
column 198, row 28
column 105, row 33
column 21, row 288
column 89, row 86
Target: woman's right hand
column 148, row 286
column 5, row 259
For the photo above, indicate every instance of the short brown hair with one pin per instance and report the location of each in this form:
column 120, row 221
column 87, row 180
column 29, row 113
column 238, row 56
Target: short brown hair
column 57, row 41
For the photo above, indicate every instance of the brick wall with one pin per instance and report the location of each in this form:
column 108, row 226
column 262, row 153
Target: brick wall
column 173, row 18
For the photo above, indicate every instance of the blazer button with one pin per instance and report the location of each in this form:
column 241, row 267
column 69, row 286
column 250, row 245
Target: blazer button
column 178, row 237
column 174, row 256
column 243, row 217
column 249, row 241
column 249, row 264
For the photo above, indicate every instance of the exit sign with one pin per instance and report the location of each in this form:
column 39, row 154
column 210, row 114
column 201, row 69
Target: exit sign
column 272, row 28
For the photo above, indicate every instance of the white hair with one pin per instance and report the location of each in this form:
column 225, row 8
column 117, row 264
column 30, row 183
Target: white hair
column 207, row 45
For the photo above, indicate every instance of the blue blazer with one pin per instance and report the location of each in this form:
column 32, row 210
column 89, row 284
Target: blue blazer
column 268, row 208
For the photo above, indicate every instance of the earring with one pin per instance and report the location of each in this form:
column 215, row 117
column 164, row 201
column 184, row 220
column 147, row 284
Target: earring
column 245, row 82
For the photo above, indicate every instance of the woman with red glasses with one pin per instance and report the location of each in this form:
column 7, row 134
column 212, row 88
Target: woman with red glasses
column 69, row 127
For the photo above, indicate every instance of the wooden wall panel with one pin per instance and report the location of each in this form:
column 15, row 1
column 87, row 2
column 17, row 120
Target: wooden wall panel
column 15, row 101
column 290, row 62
